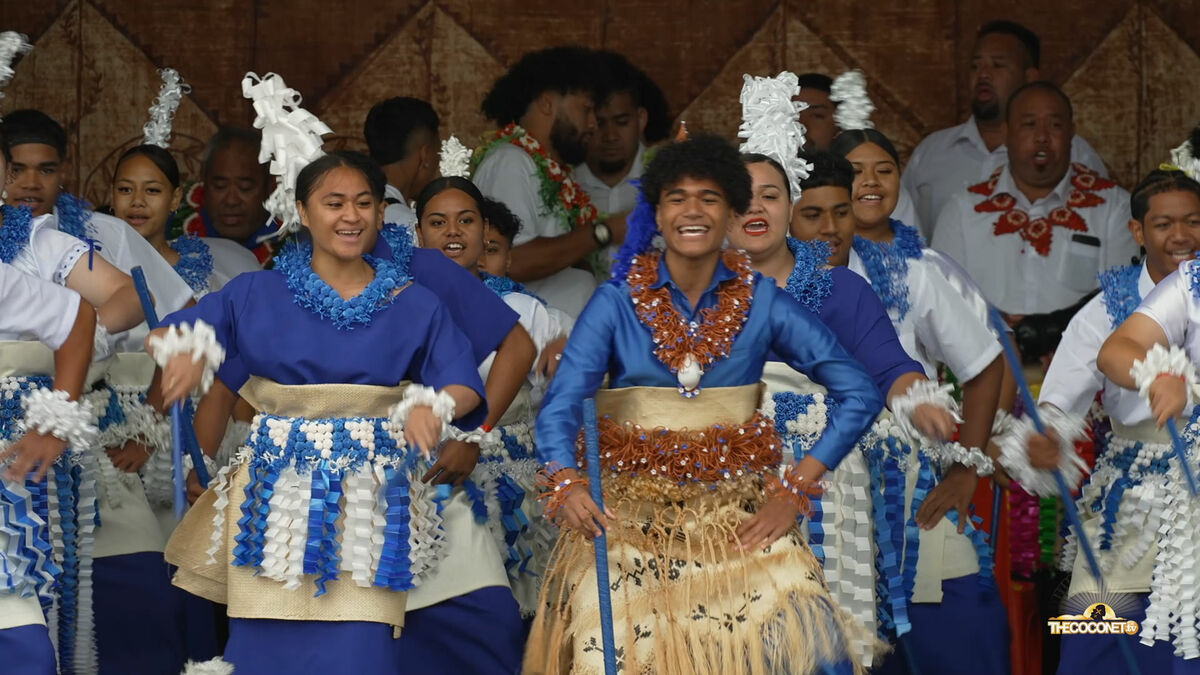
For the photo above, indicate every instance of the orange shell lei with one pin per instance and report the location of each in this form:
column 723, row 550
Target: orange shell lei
column 706, row 340
column 684, row 456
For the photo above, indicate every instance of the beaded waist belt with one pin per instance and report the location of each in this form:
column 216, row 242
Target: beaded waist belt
column 652, row 431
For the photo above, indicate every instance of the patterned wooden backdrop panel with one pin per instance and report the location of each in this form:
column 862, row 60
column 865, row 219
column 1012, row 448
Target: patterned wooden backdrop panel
column 1131, row 66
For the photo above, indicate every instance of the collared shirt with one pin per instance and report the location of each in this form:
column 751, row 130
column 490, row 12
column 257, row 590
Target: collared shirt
column 1175, row 308
column 1073, row 379
column 950, row 160
column 509, row 175
column 35, row 309
column 1012, row 275
column 609, row 339
column 941, row 326
column 397, row 210
column 617, row 198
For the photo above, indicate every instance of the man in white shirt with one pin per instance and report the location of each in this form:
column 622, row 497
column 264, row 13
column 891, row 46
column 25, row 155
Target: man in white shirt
column 1005, row 57
column 402, row 136
column 633, row 116
column 1038, row 231
column 547, row 102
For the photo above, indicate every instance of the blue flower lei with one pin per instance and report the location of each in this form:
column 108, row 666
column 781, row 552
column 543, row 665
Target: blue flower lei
column 811, row 280
column 74, row 216
column 400, row 240
column 502, row 286
column 1119, row 288
column 312, row 293
column 887, row 264
column 1193, row 279
column 14, row 231
column 195, row 261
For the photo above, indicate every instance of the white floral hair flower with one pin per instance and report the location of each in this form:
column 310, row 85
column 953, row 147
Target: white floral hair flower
column 455, row 158
column 1184, row 157
column 771, row 124
column 854, row 107
column 158, row 130
column 11, row 44
column 291, row 139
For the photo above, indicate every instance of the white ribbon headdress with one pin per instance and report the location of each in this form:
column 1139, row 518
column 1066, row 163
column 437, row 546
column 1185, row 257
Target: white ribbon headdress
column 455, row 159
column 158, row 130
column 11, row 44
column 1184, row 157
column 291, row 139
column 771, row 126
column 854, row 107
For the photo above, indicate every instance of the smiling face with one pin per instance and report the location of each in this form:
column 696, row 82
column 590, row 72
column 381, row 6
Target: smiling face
column 693, row 216
column 341, row 214
column 876, row 185
column 764, row 226
column 1170, row 231
column 34, row 177
column 143, row 197
column 451, row 223
column 824, row 214
column 1039, row 139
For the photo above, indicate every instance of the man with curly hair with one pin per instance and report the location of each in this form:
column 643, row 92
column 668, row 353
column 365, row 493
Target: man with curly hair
column 546, row 106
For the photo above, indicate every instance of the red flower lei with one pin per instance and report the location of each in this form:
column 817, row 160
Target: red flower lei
column 676, row 340
column 558, row 191
column 1039, row 232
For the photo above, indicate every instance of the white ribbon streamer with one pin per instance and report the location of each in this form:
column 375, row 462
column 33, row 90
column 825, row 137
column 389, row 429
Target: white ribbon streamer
column 158, row 130
column 455, row 159
column 11, row 44
column 771, row 123
column 854, row 107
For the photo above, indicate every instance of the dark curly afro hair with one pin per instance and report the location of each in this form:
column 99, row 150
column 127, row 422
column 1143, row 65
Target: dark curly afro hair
column 500, row 218
column 624, row 77
column 703, row 156
column 559, row 69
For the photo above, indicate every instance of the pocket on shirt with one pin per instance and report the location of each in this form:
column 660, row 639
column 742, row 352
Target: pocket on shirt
column 1077, row 269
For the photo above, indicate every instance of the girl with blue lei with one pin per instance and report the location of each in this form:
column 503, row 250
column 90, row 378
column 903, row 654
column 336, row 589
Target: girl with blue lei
column 1138, row 513
column 708, row 570
column 952, row 585
column 322, row 520
column 840, row 529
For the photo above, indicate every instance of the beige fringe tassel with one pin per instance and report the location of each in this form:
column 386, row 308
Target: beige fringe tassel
column 684, row 599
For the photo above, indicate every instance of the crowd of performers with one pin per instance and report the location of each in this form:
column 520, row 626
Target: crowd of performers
column 796, row 397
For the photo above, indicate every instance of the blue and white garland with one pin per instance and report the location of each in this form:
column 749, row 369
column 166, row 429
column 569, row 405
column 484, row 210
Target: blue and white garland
column 1119, row 288
column 195, row 263
column 312, row 293
column 887, row 264
column 15, row 223
column 74, row 216
column 811, row 280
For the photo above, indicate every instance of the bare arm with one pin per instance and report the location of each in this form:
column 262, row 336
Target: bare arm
column 980, row 396
column 514, row 358
column 541, row 257
column 1129, row 342
column 110, row 291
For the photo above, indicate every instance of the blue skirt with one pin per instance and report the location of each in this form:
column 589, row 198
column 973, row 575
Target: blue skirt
column 26, row 650
column 1101, row 653
column 139, row 619
column 480, row 632
column 966, row 632
column 275, row 647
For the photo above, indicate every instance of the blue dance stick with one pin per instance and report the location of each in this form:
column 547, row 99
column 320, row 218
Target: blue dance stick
column 600, row 544
column 1064, row 494
column 178, row 424
column 1181, row 453
column 997, row 493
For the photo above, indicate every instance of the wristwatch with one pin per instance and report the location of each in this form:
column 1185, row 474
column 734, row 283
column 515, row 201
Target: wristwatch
column 601, row 234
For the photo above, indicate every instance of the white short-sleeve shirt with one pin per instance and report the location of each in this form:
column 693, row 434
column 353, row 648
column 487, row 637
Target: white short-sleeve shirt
column 615, row 198
column 1073, row 379
column 1011, row 273
column 509, row 175
column 34, row 309
column 229, row 259
column 948, row 161
column 398, row 211
column 1175, row 308
column 941, row 326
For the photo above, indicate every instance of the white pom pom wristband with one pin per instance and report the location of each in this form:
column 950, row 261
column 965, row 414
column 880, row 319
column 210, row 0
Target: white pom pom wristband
column 1014, row 452
column 1161, row 361
column 920, row 393
column 199, row 340
column 415, row 395
column 974, row 458
column 53, row 413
